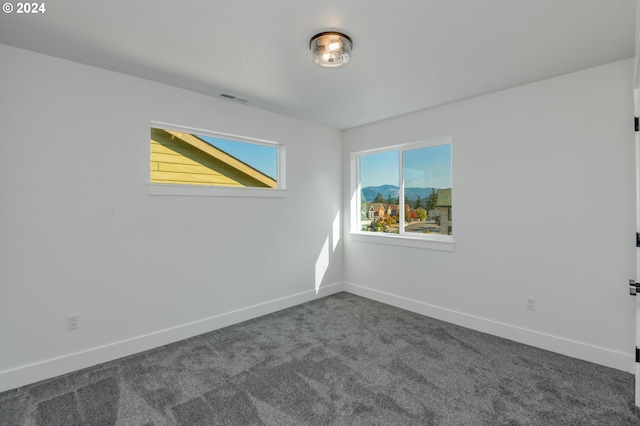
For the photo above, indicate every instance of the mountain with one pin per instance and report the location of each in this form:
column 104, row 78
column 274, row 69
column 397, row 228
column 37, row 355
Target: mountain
column 411, row 194
column 370, row 192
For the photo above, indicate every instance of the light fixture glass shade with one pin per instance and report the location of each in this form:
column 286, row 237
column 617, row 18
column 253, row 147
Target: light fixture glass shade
column 331, row 49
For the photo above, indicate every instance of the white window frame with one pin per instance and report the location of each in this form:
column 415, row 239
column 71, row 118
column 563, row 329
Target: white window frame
column 407, row 239
column 221, row 191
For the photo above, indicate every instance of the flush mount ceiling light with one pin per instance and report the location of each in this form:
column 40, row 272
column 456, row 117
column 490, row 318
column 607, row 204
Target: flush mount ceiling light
column 331, row 49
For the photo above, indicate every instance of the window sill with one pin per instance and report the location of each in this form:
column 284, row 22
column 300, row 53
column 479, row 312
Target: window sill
column 442, row 243
column 213, row 191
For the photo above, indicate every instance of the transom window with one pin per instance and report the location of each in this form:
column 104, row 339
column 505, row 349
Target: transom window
column 201, row 158
column 404, row 190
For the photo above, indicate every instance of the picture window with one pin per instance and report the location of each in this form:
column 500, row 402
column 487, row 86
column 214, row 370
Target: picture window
column 183, row 157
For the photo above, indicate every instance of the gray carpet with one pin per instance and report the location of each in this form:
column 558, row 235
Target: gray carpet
column 340, row 360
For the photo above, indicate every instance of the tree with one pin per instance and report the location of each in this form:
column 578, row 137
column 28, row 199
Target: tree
column 378, row 198
column 389, row 199
column 418, row 203
column 432, row 201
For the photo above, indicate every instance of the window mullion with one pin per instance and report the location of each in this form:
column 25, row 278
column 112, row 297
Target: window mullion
column 358, row 194
column 401, row 208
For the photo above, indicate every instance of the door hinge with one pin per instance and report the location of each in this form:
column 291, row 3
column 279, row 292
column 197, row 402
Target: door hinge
column 637, row 125
column 637, row 239
column 637, row 354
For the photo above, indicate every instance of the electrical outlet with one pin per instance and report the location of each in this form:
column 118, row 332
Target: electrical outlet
column 531, row 303
column 73, row 321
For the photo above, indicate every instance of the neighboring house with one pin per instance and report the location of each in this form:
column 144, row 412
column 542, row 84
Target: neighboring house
column 363, row 212
column 375, row 210
column 381, row 211
column 182, row 158
column 372, row 211
column 444, row 205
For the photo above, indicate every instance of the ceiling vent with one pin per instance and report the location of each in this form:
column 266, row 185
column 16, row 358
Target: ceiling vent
column 234, row 98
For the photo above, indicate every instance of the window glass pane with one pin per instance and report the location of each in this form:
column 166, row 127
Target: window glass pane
column 190, row 159
column 427, row 190
column 379, row 182
column 261, row 157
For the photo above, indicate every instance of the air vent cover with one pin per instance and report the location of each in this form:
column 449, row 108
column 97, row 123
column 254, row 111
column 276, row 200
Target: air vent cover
column 234, row 98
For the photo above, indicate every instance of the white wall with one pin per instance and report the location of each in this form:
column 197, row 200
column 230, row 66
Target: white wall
column 79, row 232
column 544, row 205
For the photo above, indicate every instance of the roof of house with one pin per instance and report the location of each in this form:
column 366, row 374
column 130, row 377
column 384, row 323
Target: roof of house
column 375, row 206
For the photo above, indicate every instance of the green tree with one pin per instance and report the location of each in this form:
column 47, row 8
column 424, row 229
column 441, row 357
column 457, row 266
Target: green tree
column 389, row 199
column 418, row 203
column 378, row 198
column 432, row 201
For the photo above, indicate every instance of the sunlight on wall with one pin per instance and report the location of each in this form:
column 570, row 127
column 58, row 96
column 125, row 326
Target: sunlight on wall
column 324, row 257
column 322, row 263
column 336, row 230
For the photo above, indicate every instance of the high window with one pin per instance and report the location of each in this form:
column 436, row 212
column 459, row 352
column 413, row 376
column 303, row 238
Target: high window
column 184, row 157
column 404, row 190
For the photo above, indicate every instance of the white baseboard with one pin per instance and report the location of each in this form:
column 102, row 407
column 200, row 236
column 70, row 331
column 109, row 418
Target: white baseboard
column 49, row 368
column 580, row 350
column 46, row 369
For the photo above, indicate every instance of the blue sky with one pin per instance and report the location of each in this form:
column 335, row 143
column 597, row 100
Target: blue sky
column 379, row 169
column 423, row 168
column 260, row 157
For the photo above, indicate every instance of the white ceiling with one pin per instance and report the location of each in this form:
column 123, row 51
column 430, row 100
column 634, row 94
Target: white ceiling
column 408, row 54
